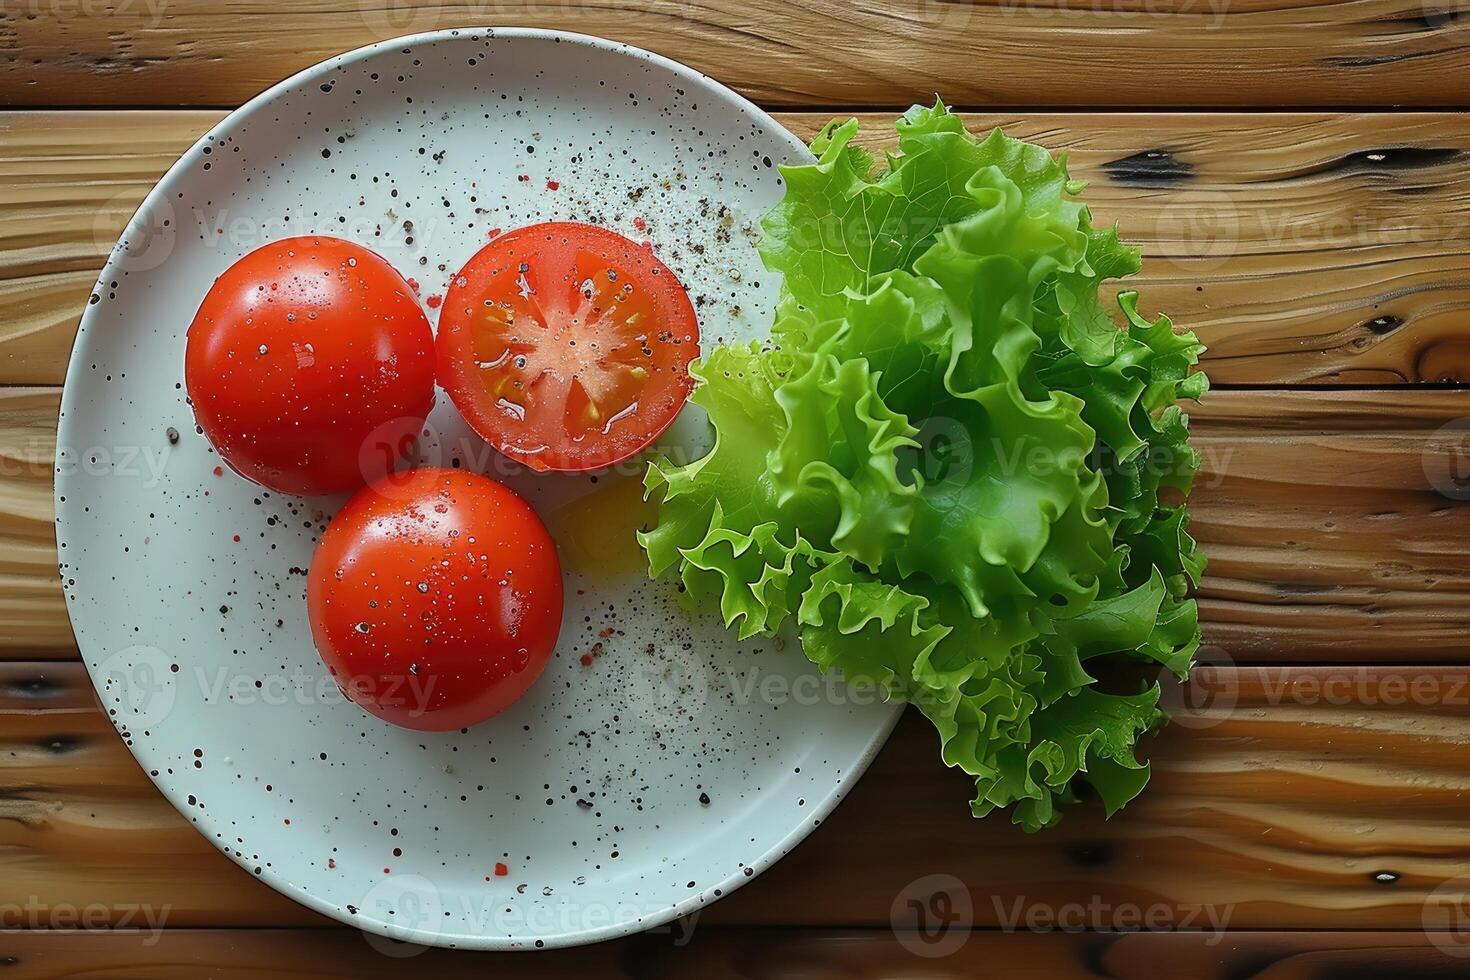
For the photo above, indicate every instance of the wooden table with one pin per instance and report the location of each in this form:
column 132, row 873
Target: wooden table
column 1317, row 238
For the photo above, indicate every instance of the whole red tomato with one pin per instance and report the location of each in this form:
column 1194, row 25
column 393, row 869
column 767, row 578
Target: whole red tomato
column 310, row 366
column 435, row 598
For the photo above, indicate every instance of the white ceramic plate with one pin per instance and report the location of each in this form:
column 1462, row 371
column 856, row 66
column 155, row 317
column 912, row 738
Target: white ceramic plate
column 617, row 795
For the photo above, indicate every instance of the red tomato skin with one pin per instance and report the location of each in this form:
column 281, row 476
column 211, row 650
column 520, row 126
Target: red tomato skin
column 435, row 598
column 455, row 343
column 310, row 366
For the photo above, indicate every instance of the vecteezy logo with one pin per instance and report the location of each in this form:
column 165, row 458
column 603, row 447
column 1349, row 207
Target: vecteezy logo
column 932, row 916
column 388, row 454
column 668, row 687
column 1446, row 459
column 1197, row 228
column 137, row 686
column 944, row 452
column 411, row 908
column 1207, row 697
column 395, row 18
column 1446, row 917
column 149, row 238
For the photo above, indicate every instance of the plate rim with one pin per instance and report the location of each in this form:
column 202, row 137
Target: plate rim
column 275, row 878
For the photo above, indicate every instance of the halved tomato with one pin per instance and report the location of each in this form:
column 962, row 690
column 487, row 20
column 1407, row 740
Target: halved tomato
column 567, row 346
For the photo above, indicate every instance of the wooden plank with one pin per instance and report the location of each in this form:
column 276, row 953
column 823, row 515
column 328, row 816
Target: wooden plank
column 69, row 182
column 1333, row 523
column 823, row 52
column 1327, row 540
column 31, row 605
column 1304, row 248
column 716, row 953
column 1299, row 797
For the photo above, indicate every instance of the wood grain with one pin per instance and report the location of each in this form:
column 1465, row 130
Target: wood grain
column 718, row 953
column 69, row 182
column 1295, row 797
column 822, row 52
column 1333, row 523
column 1304, row 248
column 1307, row 249
column 31, row 606
column 1327, row 540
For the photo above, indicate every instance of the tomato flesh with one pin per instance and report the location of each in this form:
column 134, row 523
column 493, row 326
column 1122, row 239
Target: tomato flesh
column 567, row 346
column 435, row 598
column 310, row 366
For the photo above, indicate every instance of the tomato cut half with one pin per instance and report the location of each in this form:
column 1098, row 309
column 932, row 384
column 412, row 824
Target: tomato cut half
column 567, row 346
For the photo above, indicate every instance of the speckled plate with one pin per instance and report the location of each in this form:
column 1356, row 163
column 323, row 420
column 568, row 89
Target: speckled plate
column 658, row 763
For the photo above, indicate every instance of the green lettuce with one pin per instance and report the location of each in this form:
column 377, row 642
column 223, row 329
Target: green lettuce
column 957, row 470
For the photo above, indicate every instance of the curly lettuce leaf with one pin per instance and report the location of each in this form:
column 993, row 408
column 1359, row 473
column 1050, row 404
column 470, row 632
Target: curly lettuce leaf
column 956, row 467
